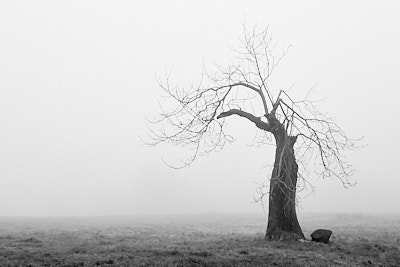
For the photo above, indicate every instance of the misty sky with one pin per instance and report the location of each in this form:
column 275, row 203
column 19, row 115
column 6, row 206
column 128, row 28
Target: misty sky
column 78, row 78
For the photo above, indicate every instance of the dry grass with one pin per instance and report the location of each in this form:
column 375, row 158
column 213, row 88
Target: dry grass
column 198, row 240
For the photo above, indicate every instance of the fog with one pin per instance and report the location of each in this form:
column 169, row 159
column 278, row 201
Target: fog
column 78, row 79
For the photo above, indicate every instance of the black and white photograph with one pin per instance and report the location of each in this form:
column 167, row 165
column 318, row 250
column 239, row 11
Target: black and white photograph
column 199, row 133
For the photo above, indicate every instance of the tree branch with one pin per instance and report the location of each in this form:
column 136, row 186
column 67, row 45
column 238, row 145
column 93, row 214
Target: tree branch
column 256, row 120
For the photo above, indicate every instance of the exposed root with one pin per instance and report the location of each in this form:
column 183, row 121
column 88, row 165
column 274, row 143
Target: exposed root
column 284, row 236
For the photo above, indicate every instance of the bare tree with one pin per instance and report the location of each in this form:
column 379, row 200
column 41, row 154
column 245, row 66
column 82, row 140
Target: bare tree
column 301, row 133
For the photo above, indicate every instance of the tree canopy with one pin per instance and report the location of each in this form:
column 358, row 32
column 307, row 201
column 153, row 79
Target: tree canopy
column 198, row 117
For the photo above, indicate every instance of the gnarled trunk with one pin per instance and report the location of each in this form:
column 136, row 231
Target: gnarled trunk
column 282, row 218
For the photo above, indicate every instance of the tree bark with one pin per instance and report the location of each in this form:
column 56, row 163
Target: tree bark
column 282, row 218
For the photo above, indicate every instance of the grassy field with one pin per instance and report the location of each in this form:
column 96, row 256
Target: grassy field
column 196, row 240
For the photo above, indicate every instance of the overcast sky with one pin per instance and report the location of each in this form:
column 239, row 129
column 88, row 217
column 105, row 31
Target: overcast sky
column 78, row 78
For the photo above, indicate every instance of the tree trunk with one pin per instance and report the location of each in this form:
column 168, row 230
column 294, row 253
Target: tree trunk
column 282, row 218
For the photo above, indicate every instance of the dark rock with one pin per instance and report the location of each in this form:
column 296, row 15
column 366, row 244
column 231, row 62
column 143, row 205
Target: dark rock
column 321, row 235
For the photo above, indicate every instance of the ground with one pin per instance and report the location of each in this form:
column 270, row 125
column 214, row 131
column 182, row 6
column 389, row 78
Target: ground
column 196, row 240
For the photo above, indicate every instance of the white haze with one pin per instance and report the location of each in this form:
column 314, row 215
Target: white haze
column 77, row 79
